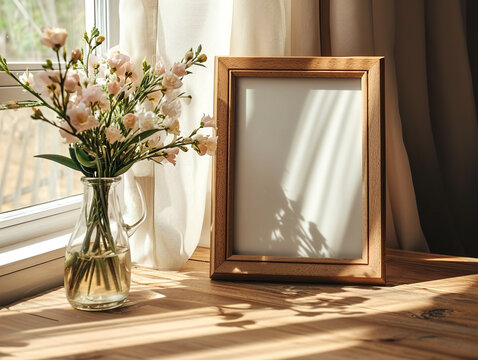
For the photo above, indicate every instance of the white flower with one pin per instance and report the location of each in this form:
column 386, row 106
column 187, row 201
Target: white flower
column 146, row 106
column 127, row 71
column 171, row 81
column 147, row 120
column 84, row 80
column 94, row 94
column 114, row 87
column 113, row 51
column 171, row 94
column 159, row 67
column 169, row 155
column 93, row 62
column 189, row 55
column 155, row 96
column 208, row 121
column 171, row 109
column 48, row 82
column 81, row 117
column 205, row 144
column 27, row 78
column 179, row 69
column 53, row 37
column 72, row 81
column 155, row 140
column 130, row 121
column 101, row 75
column 117, row 60
column 67, row 137
column 113, row 135
column 172, row 126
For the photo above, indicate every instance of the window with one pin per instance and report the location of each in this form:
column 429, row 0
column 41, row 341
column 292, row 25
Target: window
column 38, row 206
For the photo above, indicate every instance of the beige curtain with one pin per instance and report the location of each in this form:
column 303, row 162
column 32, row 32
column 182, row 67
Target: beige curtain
column 365, row 27
column 292, row 28
column 432, row 182
column 439, row 119
column 431, row 127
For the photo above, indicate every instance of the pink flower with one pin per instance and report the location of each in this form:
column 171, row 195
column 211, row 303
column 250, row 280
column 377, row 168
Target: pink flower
column 114, row 87
column 113, row 135
column 53, row 37
column 117, row 60
column 147, row 120
column 159, row 68
column 95, row 95
column 171, row 109
column 169, row 155
column 172, row 126
column 179, row 69
column 48, row 82
column 130, row 121
column 171, row 81
column 127, row 70
column 81, row 117
column 208, row 121
column 72, row 81
column 67, row 137
column 205, row 144
column 155, row 96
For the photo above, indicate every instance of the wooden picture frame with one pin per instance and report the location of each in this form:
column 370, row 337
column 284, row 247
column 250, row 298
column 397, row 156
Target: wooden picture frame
column 265, row 230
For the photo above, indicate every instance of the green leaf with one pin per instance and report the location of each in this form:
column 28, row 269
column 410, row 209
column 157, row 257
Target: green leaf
column 94, row 32
column 123, row 170
column 63, row 160
column 141, row 136
column 88, row 172
column 83, row 158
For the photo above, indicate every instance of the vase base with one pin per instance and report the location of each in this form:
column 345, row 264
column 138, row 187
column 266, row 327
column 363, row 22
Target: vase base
column 95, row 306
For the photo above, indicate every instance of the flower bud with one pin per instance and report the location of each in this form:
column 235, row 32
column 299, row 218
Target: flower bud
column 12, row 104
column 202, row 58
column 100, row 39
column 76, row 55
column 189, row 55
column 37, row 114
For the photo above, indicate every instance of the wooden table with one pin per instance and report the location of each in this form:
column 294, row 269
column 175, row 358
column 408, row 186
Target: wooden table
column 429, row 309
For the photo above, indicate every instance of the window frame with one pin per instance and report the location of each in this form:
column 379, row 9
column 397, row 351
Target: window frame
column 31, row 254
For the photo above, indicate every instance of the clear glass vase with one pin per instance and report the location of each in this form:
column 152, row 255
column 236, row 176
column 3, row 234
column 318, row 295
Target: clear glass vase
column 97, row 259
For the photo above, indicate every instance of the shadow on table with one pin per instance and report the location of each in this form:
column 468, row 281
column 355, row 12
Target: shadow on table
column 333, row 329
column 310, row 320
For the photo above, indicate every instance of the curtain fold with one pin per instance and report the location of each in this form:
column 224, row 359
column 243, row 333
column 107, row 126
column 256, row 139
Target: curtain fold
column 176, row 197
column 453, row 114
column 431, row 126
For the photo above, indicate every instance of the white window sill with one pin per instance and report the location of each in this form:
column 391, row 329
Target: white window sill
column 30, row 269
column 32, row 248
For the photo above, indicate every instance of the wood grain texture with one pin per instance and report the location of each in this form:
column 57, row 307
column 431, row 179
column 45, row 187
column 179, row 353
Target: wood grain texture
column 428, row 310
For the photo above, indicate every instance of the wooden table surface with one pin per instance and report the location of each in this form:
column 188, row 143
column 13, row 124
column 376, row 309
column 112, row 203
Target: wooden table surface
column 428, row 310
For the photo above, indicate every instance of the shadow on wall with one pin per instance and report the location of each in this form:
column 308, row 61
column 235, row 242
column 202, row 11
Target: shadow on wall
column 298, row 164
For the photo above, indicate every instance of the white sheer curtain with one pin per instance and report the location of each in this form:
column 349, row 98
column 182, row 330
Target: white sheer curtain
column 178, row 197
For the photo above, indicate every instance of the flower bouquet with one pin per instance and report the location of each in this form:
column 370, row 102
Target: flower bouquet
column 113, row 115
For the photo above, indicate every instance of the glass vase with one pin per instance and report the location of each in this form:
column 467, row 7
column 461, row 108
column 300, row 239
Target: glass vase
column 97, row 260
